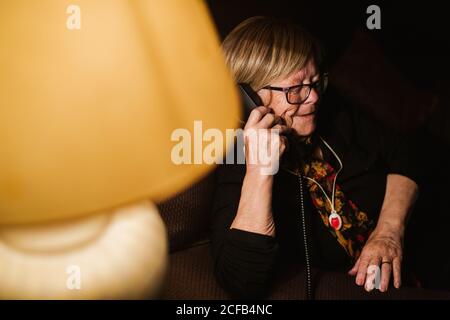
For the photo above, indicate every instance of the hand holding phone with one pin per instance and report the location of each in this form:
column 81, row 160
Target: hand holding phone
column 263, row 119
column 250, row 99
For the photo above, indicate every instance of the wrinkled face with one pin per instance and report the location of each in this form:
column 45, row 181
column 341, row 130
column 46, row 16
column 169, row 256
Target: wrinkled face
column 303, row 115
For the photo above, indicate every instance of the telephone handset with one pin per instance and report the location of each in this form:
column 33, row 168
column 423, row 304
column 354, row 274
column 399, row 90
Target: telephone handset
column 250, row 99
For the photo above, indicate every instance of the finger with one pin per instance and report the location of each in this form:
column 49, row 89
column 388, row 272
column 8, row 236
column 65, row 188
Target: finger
column 386, row 269
column 283, row 140
column 397, row 267
column 370, row 280
column 282, row 128
column 362, row 270
column 278, row 119
column 287, row 115
column 283, row 144
column 353, row 270
column 257, row 114
column 287, row 119
column 267, row 121
column 246, row 148
column 281, row 121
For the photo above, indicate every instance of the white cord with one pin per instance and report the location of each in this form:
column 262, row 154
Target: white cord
column 332, row 201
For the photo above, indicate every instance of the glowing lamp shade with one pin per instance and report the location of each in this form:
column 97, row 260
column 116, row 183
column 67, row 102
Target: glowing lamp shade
column 87, row 113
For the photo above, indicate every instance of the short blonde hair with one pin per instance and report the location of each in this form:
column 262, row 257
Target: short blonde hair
column 261, row 50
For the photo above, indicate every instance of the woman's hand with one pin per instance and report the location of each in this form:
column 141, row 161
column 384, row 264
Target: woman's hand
column 384, row 249
column 255, row 208
column 264, row 141
column 385, row 244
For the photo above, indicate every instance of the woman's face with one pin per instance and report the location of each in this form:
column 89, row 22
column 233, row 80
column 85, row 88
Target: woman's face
column 303, row 115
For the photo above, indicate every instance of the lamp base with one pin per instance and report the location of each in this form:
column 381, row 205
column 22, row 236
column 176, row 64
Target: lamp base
column 120, row 254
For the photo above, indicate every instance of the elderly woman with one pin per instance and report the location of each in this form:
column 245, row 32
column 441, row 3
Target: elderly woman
column 345, row 186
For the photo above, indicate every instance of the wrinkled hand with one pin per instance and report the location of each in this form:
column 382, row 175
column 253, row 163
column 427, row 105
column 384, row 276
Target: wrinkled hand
column 384, row 248
column 264, row 140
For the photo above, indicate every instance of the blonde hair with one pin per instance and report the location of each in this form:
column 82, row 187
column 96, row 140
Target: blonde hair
column 261, row 50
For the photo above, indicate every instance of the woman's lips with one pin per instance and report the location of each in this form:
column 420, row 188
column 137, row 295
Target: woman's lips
column 307, row 114
column 288, row 119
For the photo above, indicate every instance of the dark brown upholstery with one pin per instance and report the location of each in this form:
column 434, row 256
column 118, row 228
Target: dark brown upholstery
column 190, row 275
column 187, row 214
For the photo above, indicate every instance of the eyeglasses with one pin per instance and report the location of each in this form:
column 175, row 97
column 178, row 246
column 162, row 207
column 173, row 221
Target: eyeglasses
column 298, row 94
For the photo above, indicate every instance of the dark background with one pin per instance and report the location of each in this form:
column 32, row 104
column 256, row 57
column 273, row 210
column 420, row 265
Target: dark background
column 399, row 75
column 413, row 34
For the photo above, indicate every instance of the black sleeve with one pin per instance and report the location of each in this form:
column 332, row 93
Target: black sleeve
column 242, row 260
column 398, row 151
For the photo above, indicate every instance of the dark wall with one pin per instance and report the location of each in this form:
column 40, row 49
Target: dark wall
column 413, row 34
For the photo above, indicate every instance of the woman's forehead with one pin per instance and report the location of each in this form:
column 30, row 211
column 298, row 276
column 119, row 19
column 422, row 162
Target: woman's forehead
column 307, row 72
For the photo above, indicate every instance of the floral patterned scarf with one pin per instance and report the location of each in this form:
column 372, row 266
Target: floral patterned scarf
column 356, row 226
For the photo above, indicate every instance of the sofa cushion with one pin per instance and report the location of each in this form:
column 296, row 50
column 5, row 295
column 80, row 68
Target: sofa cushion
column 191, row 276
column 187, row 214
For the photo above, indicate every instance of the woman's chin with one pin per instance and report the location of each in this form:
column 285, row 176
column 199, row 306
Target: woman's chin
column 303, row 128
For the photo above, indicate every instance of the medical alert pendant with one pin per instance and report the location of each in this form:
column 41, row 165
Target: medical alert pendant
column 335, row 220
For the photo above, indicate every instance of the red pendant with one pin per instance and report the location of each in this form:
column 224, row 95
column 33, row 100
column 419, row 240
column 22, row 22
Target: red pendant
column 335, row 220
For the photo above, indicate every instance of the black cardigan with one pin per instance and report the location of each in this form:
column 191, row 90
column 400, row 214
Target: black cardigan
column 244, row 262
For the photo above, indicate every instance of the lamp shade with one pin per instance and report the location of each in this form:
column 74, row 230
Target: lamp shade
column 87, row 113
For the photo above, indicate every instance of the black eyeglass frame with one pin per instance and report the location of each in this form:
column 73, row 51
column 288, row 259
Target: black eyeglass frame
column 315, row 84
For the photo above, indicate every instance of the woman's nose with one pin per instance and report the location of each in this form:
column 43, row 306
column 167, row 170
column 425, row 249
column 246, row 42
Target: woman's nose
column 313, row 96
